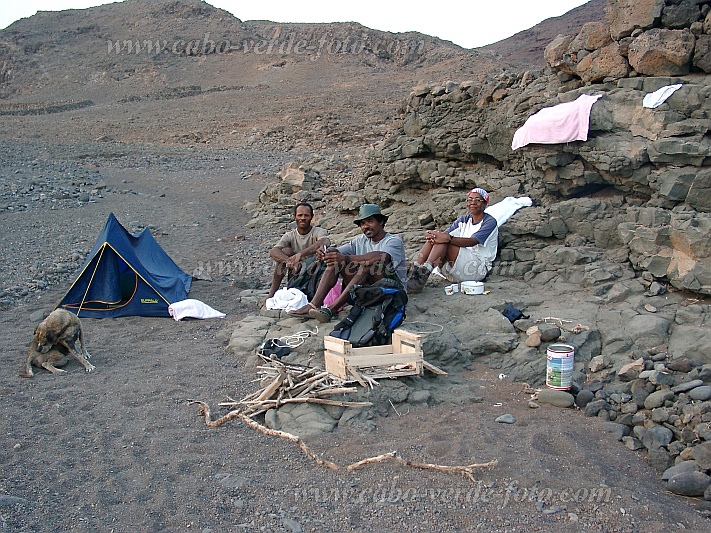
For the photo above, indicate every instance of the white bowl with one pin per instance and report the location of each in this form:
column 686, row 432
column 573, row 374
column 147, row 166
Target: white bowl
column 472, row 287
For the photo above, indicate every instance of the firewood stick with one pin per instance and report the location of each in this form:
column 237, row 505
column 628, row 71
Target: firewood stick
column 323, row 401
column 288, row 436
column 340, row 390
column 467, row 470
column 267, row 393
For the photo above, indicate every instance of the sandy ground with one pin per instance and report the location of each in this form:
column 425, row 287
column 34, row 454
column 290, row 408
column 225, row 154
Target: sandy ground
column 121, row 450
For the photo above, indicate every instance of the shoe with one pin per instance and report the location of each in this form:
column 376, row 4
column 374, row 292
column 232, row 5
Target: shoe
column 417, row 278
column 323, row 315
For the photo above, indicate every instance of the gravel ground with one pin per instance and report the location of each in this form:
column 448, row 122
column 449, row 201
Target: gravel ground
column 121, row 450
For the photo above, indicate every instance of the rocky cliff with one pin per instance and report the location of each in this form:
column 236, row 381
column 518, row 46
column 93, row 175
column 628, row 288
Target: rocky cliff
column 635, row 193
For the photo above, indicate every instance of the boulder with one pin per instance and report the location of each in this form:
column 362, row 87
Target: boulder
column 660, row 52
column 606, row 62
column 592, row 36
column 691, row 342
column 625, row 16
column 702, row 53
column 557, row 54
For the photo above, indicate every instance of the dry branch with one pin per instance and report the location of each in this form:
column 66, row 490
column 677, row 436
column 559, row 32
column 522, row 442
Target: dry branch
column 467, row 470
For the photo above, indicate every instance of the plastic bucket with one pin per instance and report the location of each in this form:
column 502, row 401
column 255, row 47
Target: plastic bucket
column 559, row 368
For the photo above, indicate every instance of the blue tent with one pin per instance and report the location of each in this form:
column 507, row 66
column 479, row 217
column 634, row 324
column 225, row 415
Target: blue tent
column 126, row 275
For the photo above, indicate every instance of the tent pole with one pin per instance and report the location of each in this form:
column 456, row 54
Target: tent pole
column 103, row 247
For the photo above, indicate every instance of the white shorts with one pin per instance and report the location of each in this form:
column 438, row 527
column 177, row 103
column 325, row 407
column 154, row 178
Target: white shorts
column 467, row 267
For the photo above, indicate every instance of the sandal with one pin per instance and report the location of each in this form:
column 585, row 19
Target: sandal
column 303, row 311
column 323, row 315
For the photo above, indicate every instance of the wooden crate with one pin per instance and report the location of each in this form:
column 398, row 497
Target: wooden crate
column 401, row 358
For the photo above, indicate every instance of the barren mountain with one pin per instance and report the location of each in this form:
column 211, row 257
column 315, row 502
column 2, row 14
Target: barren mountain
column 183, row 72
column 526, row 47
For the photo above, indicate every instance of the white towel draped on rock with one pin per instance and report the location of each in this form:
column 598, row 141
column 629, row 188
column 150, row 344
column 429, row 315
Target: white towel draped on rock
column 503, row 210
column 287, row 299
column 658, row 97
column 192, row 309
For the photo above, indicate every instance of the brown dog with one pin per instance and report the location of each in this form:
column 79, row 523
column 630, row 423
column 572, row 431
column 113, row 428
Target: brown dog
column 55, row 334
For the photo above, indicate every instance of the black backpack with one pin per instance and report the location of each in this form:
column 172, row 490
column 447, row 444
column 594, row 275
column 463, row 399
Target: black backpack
column 307, row 280
column 377, row 310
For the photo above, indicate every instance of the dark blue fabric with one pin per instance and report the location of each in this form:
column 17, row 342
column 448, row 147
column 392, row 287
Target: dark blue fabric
column 126, row 275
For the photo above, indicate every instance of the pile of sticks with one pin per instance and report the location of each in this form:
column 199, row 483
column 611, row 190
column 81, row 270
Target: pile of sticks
column 292, row 383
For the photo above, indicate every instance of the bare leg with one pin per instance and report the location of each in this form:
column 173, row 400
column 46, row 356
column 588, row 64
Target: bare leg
column 326, row 283
column 277, row 277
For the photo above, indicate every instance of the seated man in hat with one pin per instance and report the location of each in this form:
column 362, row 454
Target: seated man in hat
column 366, row 259
column 464, row 252
column 297, row 247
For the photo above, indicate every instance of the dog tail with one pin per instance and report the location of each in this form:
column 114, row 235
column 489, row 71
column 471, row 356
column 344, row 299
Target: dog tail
column 28, row 369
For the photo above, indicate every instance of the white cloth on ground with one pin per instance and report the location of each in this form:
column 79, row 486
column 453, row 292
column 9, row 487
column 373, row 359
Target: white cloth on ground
column 658, row 97
column 193, row 309
column 560, row 123
column 287, row 299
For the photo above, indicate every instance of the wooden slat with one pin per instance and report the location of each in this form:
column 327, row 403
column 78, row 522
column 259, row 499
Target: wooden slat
column 383, row 359
column 434, row 369
column 336, row 364
column 354, row 372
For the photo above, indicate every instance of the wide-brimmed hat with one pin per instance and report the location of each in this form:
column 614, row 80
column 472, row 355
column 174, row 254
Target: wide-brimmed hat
column 369, row 210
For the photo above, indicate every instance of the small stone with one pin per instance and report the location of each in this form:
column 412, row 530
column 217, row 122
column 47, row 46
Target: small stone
column 684, row 466
column 597, row 363
column 632, row 443
column 549, row 333
column 583, row 398
column 533, row 405
column 618, row 430
column 17, row 446
column 631, row 370
column 659, row 459
column 650, row 308
column 660, row 415
column 6, row 500
column 689, row 483
column 629, row 408
column 557, row 398
column 657, row 437
column 702, row 455
column 685, row 387
column 506, row 419
column 594, row 407
column 687, row 454
column 701, row 393
column 533, row 341
column 681, row 365
column 657, row 399
column 661, row 378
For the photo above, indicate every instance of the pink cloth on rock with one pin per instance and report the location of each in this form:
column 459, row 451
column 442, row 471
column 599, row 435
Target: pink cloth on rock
column 560, row 123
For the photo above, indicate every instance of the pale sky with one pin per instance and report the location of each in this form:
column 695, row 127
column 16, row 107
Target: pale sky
column 469, row 23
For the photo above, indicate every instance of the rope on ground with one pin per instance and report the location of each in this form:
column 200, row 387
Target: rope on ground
column 297, row 339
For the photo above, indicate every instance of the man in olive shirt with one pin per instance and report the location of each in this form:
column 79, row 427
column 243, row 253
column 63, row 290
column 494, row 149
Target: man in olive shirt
column 296, row 246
